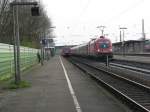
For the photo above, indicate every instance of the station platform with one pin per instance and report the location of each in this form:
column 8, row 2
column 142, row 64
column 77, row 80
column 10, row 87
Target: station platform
column 141, row 59
column 59, row 86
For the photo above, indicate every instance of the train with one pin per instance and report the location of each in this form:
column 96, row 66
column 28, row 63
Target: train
column 66, row 51
column 96, row 48
column 147, row 46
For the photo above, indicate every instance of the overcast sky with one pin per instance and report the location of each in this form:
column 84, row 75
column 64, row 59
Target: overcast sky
column 76, row 20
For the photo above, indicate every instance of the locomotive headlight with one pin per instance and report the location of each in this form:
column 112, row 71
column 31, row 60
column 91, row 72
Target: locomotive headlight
column 98, row 50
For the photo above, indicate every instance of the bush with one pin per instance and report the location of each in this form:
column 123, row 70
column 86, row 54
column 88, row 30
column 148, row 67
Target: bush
column 21, row 84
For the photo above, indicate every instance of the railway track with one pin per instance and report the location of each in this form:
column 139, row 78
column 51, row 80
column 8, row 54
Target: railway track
column 136, row 95
column 137, row 69
column 134, row 54
column 127, row 70
column 132, row 63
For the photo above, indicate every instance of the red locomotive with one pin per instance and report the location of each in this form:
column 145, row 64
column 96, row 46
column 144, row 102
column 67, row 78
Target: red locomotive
column 100, row 47
column 66, row 51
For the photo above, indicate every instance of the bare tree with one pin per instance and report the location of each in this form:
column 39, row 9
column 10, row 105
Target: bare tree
column 5, row 17
column 30, row 26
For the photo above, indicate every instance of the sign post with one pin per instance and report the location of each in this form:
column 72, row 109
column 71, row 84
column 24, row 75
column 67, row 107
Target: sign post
column 107, row 61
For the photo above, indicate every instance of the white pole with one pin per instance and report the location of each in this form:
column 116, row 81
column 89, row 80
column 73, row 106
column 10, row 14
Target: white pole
column 143, row 35
column 143, row 30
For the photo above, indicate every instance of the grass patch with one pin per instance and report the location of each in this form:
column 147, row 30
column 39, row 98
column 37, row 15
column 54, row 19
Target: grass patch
column 13, row 85
column 5, row 78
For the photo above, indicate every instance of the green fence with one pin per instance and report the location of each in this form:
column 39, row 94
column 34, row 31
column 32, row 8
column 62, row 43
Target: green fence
column 28, row 57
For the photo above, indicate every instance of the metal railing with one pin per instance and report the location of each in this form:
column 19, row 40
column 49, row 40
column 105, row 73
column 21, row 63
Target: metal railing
column 28, row 57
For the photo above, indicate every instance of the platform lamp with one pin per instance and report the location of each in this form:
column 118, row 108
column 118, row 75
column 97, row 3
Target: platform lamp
column 35, row 11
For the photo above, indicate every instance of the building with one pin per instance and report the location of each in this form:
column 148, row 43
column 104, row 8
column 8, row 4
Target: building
column 129, row 47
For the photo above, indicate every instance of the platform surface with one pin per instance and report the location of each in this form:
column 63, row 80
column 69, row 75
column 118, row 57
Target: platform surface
column 50, row 92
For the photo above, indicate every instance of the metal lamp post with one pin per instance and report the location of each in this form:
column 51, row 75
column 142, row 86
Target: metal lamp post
column 14, row 5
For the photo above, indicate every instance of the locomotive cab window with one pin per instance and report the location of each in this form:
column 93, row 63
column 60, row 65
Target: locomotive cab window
column 104, row 44
column 147, row 42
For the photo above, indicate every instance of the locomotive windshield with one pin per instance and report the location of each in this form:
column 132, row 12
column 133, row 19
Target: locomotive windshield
column 147, row 42
column 104, row 44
